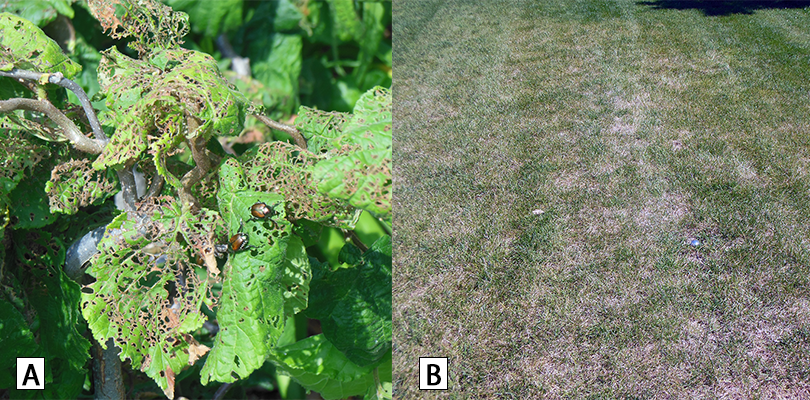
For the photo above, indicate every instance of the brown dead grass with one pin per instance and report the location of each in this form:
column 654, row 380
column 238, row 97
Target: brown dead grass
column 634, row 131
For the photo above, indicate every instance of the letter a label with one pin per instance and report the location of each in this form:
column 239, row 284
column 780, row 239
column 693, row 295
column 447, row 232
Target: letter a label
column 30, row 373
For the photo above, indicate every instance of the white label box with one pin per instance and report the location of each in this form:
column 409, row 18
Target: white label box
column 30, row 373
column 432, row 373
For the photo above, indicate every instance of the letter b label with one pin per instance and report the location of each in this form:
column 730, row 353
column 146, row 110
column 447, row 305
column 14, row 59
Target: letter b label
column 433, row 373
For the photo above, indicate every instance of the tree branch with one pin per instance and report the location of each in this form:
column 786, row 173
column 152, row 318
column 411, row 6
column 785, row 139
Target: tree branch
column 290, row 130
column 155, row 187
column 202, row 165
column 72, row 131
column 58, row 79
column 128, row 189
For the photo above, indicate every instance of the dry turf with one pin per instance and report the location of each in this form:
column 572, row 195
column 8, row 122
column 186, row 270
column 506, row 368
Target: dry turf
column 554, row 160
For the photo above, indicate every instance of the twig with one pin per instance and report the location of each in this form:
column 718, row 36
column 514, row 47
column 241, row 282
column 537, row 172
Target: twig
column 58, row 79
column 202, row 165
column 155, row 187
column 222, row 390
column 385, row 227
column 240, row 65
column 109, row 383
column 297, row 137
column 71, row 130
column 356, row 240
column 128, row 188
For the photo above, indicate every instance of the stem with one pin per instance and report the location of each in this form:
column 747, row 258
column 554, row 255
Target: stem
column 58, row 79
column 72, row 131
column 156, row 187
column 385, row 227
column 356, row 240
column 290, row 130
column 109, row 383
column 130, row 193
column 202, row 165
column 222, row 390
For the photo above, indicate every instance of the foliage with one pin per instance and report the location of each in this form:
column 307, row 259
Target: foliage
column 173, row 113
column 323, row 54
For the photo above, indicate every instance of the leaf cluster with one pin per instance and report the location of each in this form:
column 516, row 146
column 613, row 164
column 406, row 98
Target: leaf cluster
column 158, row 285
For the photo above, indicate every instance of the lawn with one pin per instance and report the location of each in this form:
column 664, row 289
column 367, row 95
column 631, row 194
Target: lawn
column 602, row 199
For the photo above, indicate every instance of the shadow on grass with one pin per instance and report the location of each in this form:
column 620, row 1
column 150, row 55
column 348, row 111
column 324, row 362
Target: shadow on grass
column 718, row 8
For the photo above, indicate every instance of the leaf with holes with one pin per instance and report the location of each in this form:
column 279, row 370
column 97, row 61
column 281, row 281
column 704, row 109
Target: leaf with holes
column 146, row 296
column 160, row 94
column 75, row 184
column 20, row 154
column 28, row 207
column 282, row 168
column 151, row 24
column 260, row 285
column 360, row 178
column 357, row 148
column 25, row 46
column 53, row 299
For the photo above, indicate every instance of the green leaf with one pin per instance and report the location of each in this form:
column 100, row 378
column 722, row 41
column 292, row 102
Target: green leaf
column 54, row 299
column 346, row 23
column 86, row 55
column 278, row 15
column 29, row 204
column 385, row 53
column 146, row 296
column 76, row 184
column 315, row 84
column 373, row 14
column 40, row 12
column 157, row 94
column 276, row 63
column 296, row 277
column 354, row 304
column 210, row 18
column 152, row 25
column 322, row 129
column 345, row 93
column 359, row 172
column 319, row 366
column 275, row 58
column 282, row 168
column 67, row 349
column 25, row 46
column 371, row 126
column 20, row 154
column 262, row 288
column 17, row 339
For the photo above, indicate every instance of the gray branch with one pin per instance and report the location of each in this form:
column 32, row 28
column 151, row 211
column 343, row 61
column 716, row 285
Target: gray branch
column 296, row 135
column 128, row 188
column 72, row 131
column 58, row 79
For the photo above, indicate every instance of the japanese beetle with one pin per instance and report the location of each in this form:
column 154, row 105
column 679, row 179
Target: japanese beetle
column 260, row 210
column 238, row 242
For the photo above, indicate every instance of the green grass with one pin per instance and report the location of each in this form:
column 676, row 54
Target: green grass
column 635, row 129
